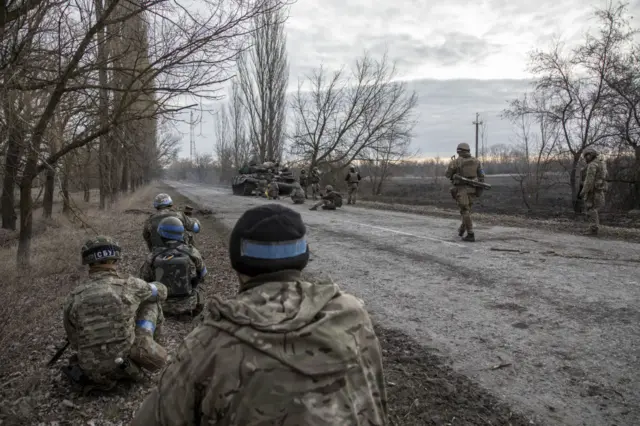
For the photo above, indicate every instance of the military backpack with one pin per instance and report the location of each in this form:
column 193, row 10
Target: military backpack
column 174, row 268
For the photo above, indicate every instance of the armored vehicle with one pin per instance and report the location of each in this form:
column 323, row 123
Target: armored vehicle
column 247, row 183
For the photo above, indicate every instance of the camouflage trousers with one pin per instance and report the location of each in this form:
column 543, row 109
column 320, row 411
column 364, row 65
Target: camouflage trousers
column 304, row 186
column 183, row 305
column 353, row 191
column 594, row 202
column 145, row 353
column 315, row 190
column 464, row 198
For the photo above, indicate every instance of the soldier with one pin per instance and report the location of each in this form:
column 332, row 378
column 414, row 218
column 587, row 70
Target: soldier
column 315, row 182
column 329, row 201
column 188, row 211
column 284, row 351
column 353, row 180
column 273, row 190
column 179, row 267
column 164, row 206
column 297, row 195
column 594, row 187
column 468, row 167
column 304, row 182
column 111, row 321
column 262, row 188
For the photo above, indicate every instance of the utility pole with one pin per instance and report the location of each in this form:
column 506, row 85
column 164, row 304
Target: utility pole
column 192, row 139
column 477, row 124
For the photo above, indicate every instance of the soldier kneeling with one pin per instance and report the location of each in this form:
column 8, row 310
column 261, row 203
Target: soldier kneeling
column 330, row 200
column 179, row 267
column 297, row 195
column 111, row 321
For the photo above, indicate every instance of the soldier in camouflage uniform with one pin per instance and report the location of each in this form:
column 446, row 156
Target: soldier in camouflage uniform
column 304, row 182
column 111, row 320
column 273, row 190
column 284, row 351
column 262, row 188
column 329, row 201
column 314, row 177
column 468, row 167
column 179, row 267
column 164, row 206
column 188, row 211
column 353, row 180
column 297, row 195
column 594, row 187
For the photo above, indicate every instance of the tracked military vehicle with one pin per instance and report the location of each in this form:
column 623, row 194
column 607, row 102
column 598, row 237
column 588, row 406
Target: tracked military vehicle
column 248, row 180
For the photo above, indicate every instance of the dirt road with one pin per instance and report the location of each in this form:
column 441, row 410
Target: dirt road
column 547, row 322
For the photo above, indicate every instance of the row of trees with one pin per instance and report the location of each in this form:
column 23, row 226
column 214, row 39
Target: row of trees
column 88, row 89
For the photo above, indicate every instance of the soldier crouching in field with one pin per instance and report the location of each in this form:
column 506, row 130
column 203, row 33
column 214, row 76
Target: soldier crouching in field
column 179, row 267
column 470, row 168
column 284, row 351
column 111, row 321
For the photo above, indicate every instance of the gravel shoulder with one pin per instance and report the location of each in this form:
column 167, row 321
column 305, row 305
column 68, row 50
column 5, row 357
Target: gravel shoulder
column 545, row 321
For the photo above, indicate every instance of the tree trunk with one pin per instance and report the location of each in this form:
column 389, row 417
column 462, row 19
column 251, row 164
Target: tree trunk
column 49, row 188
column 572, row 182
column 103, row 152
column 66, row 206
column 86, row 177
column 124, row 182
column 12, row 162
column 26, row 211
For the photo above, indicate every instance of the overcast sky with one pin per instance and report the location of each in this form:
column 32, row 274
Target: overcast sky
column 436, row 44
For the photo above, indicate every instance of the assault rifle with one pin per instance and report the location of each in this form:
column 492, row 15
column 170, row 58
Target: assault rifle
column 471, row 182
column 58, row 354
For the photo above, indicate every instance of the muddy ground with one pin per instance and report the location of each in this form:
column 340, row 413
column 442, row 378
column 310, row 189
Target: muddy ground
column 423, row 388
column 542, row 318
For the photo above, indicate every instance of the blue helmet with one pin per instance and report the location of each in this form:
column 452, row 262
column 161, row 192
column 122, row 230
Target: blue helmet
column 171, row 228
column 196, row 226
column 162, row 200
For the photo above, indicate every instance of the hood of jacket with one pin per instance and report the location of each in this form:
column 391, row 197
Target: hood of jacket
column 289, row 319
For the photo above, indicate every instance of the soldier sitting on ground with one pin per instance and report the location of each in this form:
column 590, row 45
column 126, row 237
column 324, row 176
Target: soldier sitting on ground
column 164, row 206
column 330, row 200
column 297, row 195
column 284, row 351
column 273, row 191
column 179, row 267
column 261, row 190
column 111, row 321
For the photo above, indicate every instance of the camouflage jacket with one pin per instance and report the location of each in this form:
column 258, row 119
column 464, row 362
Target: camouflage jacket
column 466, row 166
column 148, row 272
column 99, row 317
column 150, row 230
column 314, row 177
column 332, row 197
column 595, row 176
column 284, row 351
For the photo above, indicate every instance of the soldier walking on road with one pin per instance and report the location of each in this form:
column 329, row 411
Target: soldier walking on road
column 315, row 183
column 284, row 351
column 468, row 167
column 353, row 180
column 594, row 187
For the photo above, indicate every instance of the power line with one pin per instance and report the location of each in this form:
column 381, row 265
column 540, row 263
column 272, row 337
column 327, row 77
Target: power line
column 477, row 123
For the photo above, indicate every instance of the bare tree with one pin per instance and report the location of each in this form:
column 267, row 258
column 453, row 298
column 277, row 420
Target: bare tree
column 380, row 158
column 238, row 127
column 264, row 75
column 339, row 117
column 224, row 146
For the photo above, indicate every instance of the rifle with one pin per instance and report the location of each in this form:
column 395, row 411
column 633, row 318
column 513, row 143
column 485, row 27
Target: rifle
column 58, row 354
column 473, row 183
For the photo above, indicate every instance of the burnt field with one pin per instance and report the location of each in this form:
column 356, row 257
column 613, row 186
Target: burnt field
column 504, row 198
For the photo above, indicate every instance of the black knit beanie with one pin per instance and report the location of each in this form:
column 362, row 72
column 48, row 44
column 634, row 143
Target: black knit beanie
column 268, row 238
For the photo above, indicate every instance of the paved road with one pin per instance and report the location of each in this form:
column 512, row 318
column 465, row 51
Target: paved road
column 548, row 322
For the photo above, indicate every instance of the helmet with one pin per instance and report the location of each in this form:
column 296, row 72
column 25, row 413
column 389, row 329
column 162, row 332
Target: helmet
column 352, row 168
column 329, row 188
column 591, row 151
column 303, row 171
column 463, row 147
column 196, row 226
column 171, row 228
column 162, row 200
column 99, row 249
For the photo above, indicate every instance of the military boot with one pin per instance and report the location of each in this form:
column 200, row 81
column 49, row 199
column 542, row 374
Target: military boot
column 592, row 231
column 470, row 237
column 461, row 231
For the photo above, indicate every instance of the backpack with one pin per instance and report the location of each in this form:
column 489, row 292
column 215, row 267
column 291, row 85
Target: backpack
column 174, row 268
